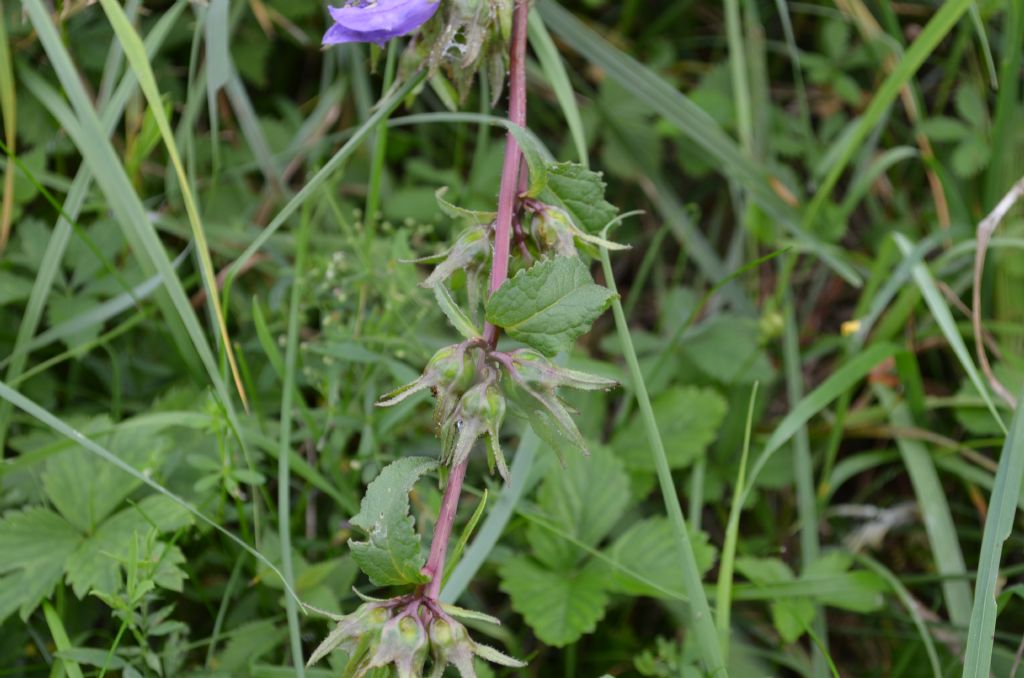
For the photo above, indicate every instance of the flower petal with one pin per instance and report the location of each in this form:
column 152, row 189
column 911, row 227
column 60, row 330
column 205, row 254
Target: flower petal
column 337, row 35
column 393, row 17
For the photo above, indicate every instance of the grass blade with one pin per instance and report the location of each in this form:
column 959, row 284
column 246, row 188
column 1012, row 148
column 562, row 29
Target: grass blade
column 61, row 234
column 692, row 121
column 88, row 134
column 814, row 402
column 941, row 23
column 935, row 513
column 700, row 612
column 61, row 640
column 284, row 443
column 1002, row 509
column 554, row 69
column 944, row 319
column 135, row 52
column 726, row 564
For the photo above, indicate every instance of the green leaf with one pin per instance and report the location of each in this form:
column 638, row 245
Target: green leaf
column 688, row 418
column 35, row 543
column 580, row 192
column 559, row 606
column 533, row 153
column 549, row 304
column 85, row 489
column 456, row 212
column 942, row 128
column 790, row 616
column 727, row 349
column 391, row 554
column 456, row 316
column 970, row 156
column 583, row 500
column 649, row 549
column 94, row 564
column 857, row 591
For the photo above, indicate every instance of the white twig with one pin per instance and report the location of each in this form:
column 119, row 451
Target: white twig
column 986, row 227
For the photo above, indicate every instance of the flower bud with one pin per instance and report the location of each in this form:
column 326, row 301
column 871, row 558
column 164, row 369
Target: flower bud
column 534, row 369
column 554, row 231
column 449, row 373
column 362, row 627
column 404, row 643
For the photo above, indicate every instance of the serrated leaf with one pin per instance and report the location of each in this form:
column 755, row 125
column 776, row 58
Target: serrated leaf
column 549, row 304
column 584, row 500
column 648, row 548
column 559, row 606
column 391, row 554
column 688, row 418
column 86, row 489
column 94, row 564
column 34, row 543
column 580, row 192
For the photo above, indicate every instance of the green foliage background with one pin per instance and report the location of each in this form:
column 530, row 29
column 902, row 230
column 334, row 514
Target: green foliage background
column 799, row 166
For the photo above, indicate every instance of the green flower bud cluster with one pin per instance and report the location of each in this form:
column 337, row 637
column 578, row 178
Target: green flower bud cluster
column 475, row 387
column 555, row 233
column 411, row 634
column 532, row 390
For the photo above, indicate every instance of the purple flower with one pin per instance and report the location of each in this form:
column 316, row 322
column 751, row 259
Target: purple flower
column 377, row 20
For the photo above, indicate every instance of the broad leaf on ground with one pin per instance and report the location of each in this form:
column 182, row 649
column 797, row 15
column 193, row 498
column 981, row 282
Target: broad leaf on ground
column 791, row 616
column 688, row 418
column 648, row 549
column 559, row 606
column 584, row 500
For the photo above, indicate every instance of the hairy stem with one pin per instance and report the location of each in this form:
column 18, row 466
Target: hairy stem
column 499, row 273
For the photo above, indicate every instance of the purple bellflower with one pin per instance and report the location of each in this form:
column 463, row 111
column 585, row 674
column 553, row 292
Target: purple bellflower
column 377, row 20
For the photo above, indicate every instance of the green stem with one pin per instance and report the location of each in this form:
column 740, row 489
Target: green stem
column 380, row 144
column 723, row 594
column 703, row 622
column 284, row 442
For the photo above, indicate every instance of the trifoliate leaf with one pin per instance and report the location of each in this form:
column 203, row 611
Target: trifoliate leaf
column 391, row 554
column 559, row 606
column 549, row 304
column 34, row 543
column 648, row 548
column 584, row 500
column 580, row 192
column 688, row 419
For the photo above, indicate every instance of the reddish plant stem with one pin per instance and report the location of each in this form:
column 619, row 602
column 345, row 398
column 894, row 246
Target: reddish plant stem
column 499, row 273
